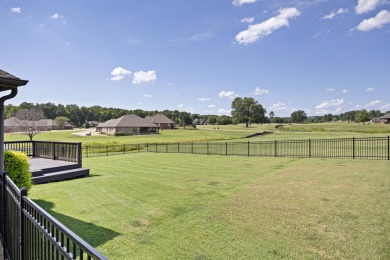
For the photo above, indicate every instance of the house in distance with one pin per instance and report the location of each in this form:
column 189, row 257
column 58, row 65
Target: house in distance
column 162, row 121
column 129, row 124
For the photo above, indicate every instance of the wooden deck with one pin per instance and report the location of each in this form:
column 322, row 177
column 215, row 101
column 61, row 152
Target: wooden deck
column 47, row 170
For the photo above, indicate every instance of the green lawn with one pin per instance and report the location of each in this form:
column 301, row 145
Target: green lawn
column 221, row 133
column 177, row 206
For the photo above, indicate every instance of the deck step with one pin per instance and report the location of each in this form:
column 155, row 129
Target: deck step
column 60, row 175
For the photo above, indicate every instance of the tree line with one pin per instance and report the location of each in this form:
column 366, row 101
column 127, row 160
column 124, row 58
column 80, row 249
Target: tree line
column 244, row 110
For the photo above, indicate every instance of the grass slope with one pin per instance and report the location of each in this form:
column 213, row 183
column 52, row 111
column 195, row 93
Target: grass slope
column 170, row 206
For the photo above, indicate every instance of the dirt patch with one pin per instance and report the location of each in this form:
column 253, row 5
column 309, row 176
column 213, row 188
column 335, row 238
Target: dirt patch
column 88, row 132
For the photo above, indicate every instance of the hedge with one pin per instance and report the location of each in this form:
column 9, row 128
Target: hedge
column 17, row 166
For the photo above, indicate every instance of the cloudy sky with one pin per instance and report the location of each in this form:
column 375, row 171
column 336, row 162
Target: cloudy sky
column 321, row 56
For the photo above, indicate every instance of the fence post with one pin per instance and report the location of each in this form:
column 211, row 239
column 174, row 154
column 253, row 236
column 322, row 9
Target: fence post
column 276, row 151
column 192, row 148
column 79, row 154
column 353, row 147
column 207, row 148
column 34, row 148
column 147, row 147
column 53, row 150
column 106, row 150
column 138, row 148
column 309, row 148
column 388, row 147
column 248, row 149
column 124, row 149
column 3, row 215
column 226, row 148
column 156, row 147
column 23, row 193
column 178, row 147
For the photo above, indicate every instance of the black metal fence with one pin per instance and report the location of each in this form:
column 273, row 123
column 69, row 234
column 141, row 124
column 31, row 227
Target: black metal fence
column 109, row 149
column 29, row 232
column 352, row 148
column 65, row 151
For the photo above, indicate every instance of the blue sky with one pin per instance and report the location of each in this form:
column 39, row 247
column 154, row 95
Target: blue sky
column 321, row 56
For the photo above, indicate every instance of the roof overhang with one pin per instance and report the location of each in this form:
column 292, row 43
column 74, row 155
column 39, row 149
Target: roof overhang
column 9, row 82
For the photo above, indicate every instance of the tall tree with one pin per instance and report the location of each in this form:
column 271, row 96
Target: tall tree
column 362, row 116
column 28, row 121
column 247, row 110
column 298, row 116
column 61, row 121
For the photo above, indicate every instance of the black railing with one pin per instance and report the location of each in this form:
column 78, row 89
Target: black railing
column 65, row 151
column 352, row 148
column 29, row 232
column 109, row 149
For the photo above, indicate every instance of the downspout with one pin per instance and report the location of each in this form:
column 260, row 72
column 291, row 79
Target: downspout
column 13, row 93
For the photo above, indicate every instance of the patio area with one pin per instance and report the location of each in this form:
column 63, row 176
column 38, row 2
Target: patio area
column 48, row 170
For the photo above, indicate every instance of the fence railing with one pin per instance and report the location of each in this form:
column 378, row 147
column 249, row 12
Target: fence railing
column 65, row 151
column 106, row 149
column 352, row 148
column 29, row 232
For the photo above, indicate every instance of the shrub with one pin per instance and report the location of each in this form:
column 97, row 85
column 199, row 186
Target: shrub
column 16, row 164
column 122, row 133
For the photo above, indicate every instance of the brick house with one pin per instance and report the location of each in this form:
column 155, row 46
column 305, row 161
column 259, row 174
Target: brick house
column 128, row 124
column 162, row 121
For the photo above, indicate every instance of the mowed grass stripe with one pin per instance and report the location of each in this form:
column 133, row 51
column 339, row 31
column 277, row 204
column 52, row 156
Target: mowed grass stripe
column 174, row 206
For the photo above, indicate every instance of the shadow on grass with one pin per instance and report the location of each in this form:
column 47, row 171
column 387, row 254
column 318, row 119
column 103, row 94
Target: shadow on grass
column 91, row 233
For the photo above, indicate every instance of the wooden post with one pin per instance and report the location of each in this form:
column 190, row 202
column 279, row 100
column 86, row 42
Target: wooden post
column 309, row 148
column 276, row 151
column 353, row 147
column 248, row 149
column 226, row 148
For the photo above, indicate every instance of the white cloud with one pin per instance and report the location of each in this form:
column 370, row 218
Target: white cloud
column 364, row 6
column 345, row 91
column 385, row 106
column 373, row 103
column 119, row 73
column 180, row 105
column 56, row 16
column 148, row 95
column 330, row 89
column 333, row 106
column 211, row 106
column 260, row 91
column 377, row 22
column 203, row 99
column 228, row 94
column 278, row 106
column 16, row 10
column 370, row 89
column 144, row 77
column 334, row 13
column 241, row 2
column 256, row 31
column 248, row 20
column 224, row 111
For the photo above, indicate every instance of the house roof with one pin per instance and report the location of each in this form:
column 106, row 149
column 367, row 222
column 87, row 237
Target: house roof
column 387, row 116
column 9, row 81
column 128, row 121
column 159, row 119
column 12, row 121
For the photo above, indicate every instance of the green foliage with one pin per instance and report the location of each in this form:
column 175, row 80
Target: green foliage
column 16, row 164
column 247, row 110
column 362, row 116
column 61, row 121
column 298, row 116
column 122, row 134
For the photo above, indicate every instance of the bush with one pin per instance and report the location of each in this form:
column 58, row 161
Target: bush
column 122, row 133
column 16, row 164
